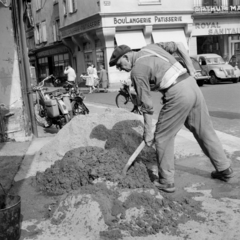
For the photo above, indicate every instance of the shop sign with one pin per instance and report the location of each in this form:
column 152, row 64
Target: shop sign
column 210, row 9
column 146, row 20
column 80, row 28
column 215, row 28
column 53, row 51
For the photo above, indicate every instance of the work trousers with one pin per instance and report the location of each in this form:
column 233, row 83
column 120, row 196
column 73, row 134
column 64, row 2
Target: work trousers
column 184, row 104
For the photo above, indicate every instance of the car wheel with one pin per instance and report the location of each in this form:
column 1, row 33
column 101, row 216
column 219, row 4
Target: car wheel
column 235, row 80
column 200, row 83
column 213, row 79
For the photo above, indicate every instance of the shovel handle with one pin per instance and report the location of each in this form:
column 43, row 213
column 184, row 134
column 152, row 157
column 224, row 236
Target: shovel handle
column 132, row 158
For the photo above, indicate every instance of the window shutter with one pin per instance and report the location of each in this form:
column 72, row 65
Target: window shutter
column 74, row 3
column 64, row 7
column 44, row 31
column 37, row 4
column 70, row 6
column 36, row 36
column 40, row 32
column 54, row 33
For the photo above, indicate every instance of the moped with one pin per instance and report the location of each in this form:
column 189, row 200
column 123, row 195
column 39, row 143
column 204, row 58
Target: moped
column 51, row 107
column 76, row 98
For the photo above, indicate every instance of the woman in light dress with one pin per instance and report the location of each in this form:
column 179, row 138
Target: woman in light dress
column 90, row 78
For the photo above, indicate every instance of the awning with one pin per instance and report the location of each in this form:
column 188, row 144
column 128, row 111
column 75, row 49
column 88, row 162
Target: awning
column 133, row 39
column 170, row 35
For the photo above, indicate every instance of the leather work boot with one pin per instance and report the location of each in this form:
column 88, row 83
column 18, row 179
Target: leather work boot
column 168, row 187
column 224, row 175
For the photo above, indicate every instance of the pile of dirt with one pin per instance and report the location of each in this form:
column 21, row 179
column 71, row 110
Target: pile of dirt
column 134, row 213
column 97, row 147
column 81, row 166
column 112, row 129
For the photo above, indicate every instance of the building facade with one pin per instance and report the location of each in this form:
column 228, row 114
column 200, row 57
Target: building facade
column 47, row 53
column 83, row 31
column 92, row 29
column 216, row 28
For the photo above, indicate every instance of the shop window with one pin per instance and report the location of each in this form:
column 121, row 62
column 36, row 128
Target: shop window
column 100, row 58
column 88, row 58
column 59, row 63
column 30, row 43
column 87, row 46
column 98, row 44
column 43, row 68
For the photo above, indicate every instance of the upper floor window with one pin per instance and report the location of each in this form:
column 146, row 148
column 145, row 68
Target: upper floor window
column 149, row 2
column 212, row 2
column 234, row 2
column 56, row 33
column 37, row 34
column 44, row 31
column 38, row 4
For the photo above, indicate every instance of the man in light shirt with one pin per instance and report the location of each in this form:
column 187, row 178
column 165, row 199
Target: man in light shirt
column 71, row 75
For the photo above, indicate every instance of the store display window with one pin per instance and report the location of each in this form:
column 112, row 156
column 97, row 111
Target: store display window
column 43, row 68
column 99, row 54
column 59, row 63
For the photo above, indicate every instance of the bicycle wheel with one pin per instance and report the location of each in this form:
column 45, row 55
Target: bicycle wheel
column 40, row 116
column 79, row 108
column 124, row 102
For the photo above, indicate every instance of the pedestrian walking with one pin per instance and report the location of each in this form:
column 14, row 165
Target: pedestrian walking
column 95, row 77
column 183, row 104
column 103, row 78
column 71, row 74
column 90, row 78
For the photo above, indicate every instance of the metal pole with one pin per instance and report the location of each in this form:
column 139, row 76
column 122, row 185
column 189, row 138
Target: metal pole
column 27, row 70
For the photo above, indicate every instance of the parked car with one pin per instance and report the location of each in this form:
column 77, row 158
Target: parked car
column 217, row 68
column 201, row 76
column 235, row 62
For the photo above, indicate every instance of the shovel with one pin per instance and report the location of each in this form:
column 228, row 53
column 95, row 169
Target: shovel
column 134, row 155
column 132, row 158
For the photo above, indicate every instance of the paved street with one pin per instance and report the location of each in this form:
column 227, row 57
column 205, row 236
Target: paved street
column 223, row 101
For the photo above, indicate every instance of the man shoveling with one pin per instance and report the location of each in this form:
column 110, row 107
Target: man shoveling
column 183, row 104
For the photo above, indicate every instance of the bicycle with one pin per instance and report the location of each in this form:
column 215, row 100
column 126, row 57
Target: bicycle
column 127, row 100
